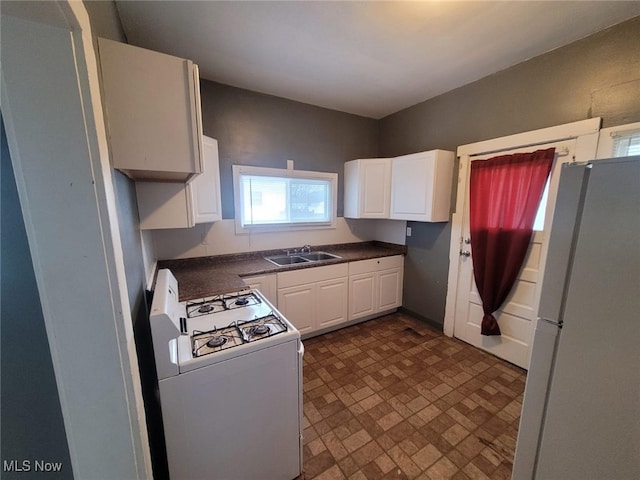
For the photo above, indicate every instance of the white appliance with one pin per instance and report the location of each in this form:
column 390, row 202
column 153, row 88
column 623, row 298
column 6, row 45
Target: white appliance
column 230, row 379
column 581, row 409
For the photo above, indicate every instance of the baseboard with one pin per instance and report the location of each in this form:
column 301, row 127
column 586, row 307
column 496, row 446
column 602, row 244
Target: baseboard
column 432, row 323
column 333, row 328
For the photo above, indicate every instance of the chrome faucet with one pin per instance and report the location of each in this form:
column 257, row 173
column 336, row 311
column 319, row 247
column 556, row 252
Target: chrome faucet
column 306, row 248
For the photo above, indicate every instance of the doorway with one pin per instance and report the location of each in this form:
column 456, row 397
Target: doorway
column 517, row 316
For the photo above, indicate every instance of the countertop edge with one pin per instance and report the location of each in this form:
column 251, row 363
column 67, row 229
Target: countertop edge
column 200, row 277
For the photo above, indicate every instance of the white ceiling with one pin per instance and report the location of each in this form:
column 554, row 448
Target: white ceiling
column 367, row 58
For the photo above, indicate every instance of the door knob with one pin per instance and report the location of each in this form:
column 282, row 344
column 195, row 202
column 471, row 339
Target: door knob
column 465, row 253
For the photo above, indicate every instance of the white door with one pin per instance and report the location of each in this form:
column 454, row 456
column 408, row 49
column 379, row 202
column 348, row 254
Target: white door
column 517, row 316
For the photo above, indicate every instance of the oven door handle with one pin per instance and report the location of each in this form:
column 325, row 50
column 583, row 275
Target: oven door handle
column 301, row 349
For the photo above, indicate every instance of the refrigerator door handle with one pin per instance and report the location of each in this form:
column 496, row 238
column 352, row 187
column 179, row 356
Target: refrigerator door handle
column 557, row 323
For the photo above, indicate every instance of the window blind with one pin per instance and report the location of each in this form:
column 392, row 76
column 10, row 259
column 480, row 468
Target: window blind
column 626, row 144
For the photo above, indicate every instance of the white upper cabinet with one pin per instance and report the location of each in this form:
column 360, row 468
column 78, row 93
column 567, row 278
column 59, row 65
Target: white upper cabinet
column 421, row 186
column 367, row 188
column 205, row 188
column 152, row 105
column 176, row 205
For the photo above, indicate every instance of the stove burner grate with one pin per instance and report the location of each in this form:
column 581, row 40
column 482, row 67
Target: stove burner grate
column 262, row 327
column 217, row 341
column 258, row 330
column 205, row 308
column 221, row 303
column 236, row 334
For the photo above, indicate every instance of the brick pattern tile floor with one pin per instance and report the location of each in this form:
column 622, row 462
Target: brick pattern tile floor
column 394, row 398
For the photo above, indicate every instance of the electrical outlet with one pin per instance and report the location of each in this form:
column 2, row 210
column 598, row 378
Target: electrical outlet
column 408, row 231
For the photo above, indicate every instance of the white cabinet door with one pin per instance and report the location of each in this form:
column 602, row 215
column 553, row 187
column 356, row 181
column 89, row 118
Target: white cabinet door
column 389, row 289
column 375, row 190
column 375, row 285
column 296, row 304
column 266, row 284
column 152, row 110
column 204, row 190
column 176, row 205
column 164, row 205
column 421, row 186
column 367, row 188
column 362, row 295
column 331, row 302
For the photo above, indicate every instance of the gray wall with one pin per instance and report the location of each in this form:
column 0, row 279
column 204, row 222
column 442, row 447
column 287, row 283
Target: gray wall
column 598, row 76
column 32, row 424
column 266, row 131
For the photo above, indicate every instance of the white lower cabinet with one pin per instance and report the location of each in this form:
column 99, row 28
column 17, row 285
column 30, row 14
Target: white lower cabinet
column 362, row 293
column 375, row 285
column 295, row 303
column 267, row 284
column 389, row 289
column 314, row 298
column 331, row 302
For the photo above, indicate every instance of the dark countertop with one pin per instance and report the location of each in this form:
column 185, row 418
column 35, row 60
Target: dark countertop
column 205, row 276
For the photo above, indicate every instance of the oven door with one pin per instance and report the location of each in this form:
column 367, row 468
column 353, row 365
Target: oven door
column 239, row 418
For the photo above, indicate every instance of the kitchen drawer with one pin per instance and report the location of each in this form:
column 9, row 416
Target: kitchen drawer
column 375, row 264
column 311, row 275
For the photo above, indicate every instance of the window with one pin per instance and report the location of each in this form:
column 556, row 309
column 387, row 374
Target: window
column 268, row 199
column 538, row 224
column 626, row 144
column 620, row 141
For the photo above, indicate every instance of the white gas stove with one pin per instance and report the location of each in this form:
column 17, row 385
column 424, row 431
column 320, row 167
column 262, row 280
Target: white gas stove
column 218, row 358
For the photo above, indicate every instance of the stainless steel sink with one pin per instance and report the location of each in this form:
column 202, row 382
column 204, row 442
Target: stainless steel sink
column 318, row 256
column 283, row 260
column 286, row 260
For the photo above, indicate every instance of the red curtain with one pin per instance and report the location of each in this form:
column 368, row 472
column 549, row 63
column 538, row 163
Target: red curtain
column 505, row 193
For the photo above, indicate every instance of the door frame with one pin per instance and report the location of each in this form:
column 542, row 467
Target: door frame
column 67, row 197
column 586, row 133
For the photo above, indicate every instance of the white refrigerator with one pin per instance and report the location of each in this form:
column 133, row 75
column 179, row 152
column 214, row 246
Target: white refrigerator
column 581, row 410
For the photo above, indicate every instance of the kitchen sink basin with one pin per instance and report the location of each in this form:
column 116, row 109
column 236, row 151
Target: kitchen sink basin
column 318, row 256
column 286, row 260
column 282, row 260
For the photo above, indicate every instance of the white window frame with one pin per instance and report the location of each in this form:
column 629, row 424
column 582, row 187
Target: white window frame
column 608, row 136
column 239, row 170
